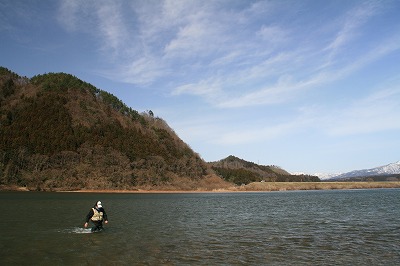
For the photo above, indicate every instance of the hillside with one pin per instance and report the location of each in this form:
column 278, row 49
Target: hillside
column 58, row 132
column 239, row 171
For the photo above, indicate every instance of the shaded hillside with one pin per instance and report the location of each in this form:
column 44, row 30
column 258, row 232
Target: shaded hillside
column 59, row 132
column 239, row 171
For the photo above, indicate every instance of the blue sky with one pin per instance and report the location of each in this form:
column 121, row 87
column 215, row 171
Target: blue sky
column 310, row 86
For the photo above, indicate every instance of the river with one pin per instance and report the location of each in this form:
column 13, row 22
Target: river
column 337, row 227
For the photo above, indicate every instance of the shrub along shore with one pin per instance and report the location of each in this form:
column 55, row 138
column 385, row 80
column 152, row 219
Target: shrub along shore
column 252, row 187
column 283, row 186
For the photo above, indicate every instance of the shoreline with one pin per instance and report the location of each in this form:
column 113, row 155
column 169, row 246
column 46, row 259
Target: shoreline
column 252, row 187
column 262, row 187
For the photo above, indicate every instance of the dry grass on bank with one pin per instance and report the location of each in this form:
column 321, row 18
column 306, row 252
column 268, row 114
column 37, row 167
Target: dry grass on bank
column 283, row 186
column 252, row 187
column 264, row 186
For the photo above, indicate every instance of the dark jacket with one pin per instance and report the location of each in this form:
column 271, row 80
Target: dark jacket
column 91, row 213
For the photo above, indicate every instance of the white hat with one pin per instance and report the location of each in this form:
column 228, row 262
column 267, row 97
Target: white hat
column 99, row 204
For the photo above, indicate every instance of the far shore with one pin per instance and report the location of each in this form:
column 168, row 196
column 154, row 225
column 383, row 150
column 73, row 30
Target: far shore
column 268, row 187
column 252, row 187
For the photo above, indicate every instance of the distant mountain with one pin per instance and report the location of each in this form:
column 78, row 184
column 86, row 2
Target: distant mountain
column 59, row 132
column 239, row 171
column 322, row 176
column 382, row 172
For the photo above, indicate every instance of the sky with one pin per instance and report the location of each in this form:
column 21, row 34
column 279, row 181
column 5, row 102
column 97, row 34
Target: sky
column 310, row 86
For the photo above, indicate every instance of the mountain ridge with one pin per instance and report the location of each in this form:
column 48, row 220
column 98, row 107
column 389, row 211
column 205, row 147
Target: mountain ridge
column 60, row 133
column 384, row 170
column 241, row 172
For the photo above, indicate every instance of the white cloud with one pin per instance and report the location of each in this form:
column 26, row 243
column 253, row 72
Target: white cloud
column 286, row 86
column 255, row 134
column 353, row 20
column 68, row 14
column 194, row 39
column 377, row 112
column 142, row 71
column 112, row 26
column 232, row 57
column 204, row 88
column 102, row 19
column 273, row 34
column 277, row 93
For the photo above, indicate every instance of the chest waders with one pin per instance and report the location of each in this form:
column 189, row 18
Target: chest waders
column 97, row 220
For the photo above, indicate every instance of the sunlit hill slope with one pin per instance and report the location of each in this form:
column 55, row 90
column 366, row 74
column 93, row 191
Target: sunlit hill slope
column 59, row 132
column 240, row 172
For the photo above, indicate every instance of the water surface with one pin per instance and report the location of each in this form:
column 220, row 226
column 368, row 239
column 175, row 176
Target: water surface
column 348, row 227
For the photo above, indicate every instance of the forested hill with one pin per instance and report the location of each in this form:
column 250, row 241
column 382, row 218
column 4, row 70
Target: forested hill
column 59, row 132
column 239, row 171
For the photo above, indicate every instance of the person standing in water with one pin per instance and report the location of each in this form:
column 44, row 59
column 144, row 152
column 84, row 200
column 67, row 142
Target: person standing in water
column 97, row 215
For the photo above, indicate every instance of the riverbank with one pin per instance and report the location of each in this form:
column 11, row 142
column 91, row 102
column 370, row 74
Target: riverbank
column 252, row 187
column 284, row 186
column 267, row 186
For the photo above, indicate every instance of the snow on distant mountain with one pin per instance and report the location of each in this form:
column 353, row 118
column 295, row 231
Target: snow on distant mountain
column 324, row 176
column 389, row 169
column 321, row 176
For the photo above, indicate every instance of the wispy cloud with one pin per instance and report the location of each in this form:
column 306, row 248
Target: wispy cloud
column 103, row 19
column 112, row 26
column 258, row 134
column 231, row 57
column 377, row 112
column 68, row 14
column 289, row 81
column 141, row 71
